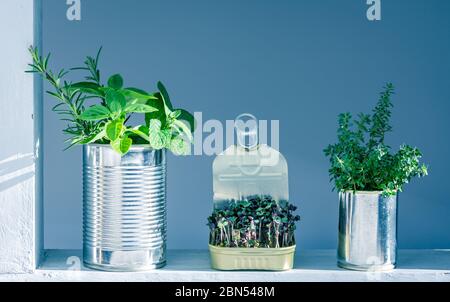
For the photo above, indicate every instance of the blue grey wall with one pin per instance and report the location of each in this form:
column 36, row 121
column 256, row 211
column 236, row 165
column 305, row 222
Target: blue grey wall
column 301, row 62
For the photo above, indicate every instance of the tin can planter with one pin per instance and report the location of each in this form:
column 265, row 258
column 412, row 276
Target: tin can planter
column 263, row 259
column 367, row 231
column 124, row 207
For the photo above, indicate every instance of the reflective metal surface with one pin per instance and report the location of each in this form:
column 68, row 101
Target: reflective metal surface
column 259, row 259
column 124, row 209
column 367, row 231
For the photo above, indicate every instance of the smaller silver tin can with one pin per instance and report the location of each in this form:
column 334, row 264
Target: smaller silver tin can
column 367, row 231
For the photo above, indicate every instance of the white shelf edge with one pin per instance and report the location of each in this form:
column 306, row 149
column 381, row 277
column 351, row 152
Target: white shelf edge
column 193, row 266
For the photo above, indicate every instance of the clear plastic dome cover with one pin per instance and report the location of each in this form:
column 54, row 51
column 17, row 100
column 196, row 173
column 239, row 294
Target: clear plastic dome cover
column 249, row 168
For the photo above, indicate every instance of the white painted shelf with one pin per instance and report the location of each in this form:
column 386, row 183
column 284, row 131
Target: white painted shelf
column 191, row 265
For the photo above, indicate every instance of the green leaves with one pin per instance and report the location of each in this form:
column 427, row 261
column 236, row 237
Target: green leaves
column 134, row 95
column 114, row 130
column 93, row 138
column 166, row 98
column 116, row 81
column 139, row 108
column 91, row 66
column 158, row 137
column 116, row 133
column 107, row 121
column 183, row 129
column 189, row 118
column 141, row 131
column 160, row 115
column 381, row 117
column 361, row 161
column 179, row 146
column 256, row 222
column 115, row 101
column 95, row 113
column 169, row 128
column 122, row 145
column 90, row 88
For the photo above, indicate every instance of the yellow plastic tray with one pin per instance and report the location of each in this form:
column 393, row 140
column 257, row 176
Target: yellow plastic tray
column 262, row 259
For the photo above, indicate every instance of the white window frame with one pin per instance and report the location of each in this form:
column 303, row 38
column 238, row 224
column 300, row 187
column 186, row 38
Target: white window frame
column 21, row 198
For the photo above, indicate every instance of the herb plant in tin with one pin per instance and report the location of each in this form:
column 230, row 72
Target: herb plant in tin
column 369, row 176
column 124, row 164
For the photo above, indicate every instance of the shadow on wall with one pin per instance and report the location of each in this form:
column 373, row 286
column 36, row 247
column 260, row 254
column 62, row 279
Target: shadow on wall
column 15, row 170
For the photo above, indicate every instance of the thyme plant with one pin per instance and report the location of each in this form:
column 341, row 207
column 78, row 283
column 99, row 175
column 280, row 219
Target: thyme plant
column 258, row 222
column 361, row 160
column 106, row 119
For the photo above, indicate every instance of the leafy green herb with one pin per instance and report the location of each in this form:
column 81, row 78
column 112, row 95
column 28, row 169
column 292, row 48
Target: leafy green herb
column 116, row 81
column 106, row 122
column 95, row 113
column 257, row 222
column 361, row 161
column 122, row 144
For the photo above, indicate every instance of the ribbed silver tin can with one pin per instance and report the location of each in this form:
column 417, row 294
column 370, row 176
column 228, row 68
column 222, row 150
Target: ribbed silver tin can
column 124, row 208
column 367, row 231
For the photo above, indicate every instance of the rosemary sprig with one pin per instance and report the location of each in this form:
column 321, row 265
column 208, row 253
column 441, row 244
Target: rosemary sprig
column 71, row 101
